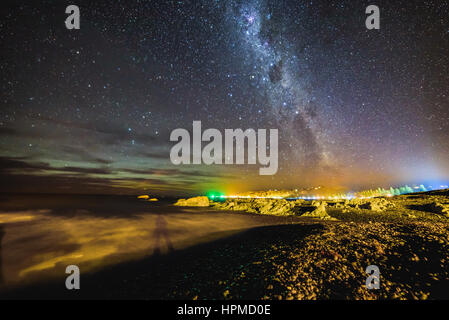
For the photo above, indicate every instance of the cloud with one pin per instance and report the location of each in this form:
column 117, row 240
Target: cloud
column 85, row 184
column 11, row 164
column 109, row 133
column 21, row 174
column 83, row 155
column 173, row 172
column 156, row 155
column 19, row 164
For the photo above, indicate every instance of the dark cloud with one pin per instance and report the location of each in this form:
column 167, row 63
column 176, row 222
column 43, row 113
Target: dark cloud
column 83, row 155
column 20, row 174
column 26, row 183
column 110, row 133
column 20, row 164
column 172, row 172
column 311, row 110
column 311, row 149
column 23, row 175
column 24, row 164
column 276, row 72
column 155, row 155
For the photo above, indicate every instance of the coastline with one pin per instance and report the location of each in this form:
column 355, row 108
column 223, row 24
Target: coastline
column 281, row 257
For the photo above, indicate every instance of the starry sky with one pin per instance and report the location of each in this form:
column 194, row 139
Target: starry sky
column 91, row 110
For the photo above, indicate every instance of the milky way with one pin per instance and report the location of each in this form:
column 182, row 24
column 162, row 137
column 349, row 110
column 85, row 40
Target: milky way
column 282, row 75
column 91, row 110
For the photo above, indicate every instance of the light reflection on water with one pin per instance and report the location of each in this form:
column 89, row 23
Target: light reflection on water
column 39, row 243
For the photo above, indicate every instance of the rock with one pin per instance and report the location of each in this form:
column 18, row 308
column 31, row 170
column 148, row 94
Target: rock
column 193, row 202
column 275, row 207
column 259, row 206
column 440, row 208
column 378, row 204
column 339, row 205
column 373, row 204
column 320, row 213
column 316, row 203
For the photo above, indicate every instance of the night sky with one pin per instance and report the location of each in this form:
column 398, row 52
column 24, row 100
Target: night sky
column 91, row 110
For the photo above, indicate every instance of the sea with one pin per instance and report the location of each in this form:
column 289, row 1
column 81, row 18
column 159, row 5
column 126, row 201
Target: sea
column 42, row 234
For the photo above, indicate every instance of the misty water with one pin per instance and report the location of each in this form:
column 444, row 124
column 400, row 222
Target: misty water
column 42, row 234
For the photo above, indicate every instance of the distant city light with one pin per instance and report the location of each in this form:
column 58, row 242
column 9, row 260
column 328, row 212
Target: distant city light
column 365, row 194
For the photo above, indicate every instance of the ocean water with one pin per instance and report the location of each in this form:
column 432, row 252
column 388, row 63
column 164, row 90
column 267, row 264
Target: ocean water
column 42, row 234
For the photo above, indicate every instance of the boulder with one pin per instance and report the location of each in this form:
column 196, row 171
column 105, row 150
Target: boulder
column 316, row 203
column 276, row 207
column 378, row 204
column 320, row 213
column 193, row 202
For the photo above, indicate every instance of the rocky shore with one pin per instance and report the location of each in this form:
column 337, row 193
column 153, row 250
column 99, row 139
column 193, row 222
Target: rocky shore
column 325, row 261
column 422, row 206
column 304, row 250
column 406, row 237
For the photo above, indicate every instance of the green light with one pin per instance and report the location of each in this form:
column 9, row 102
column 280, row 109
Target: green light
column 215, row 195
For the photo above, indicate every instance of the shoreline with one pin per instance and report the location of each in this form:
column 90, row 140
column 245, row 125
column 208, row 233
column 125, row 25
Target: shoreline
column 273, row 257
column 319, row 260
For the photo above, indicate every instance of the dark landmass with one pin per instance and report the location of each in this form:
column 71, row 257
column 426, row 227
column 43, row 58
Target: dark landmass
column 306, row 258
